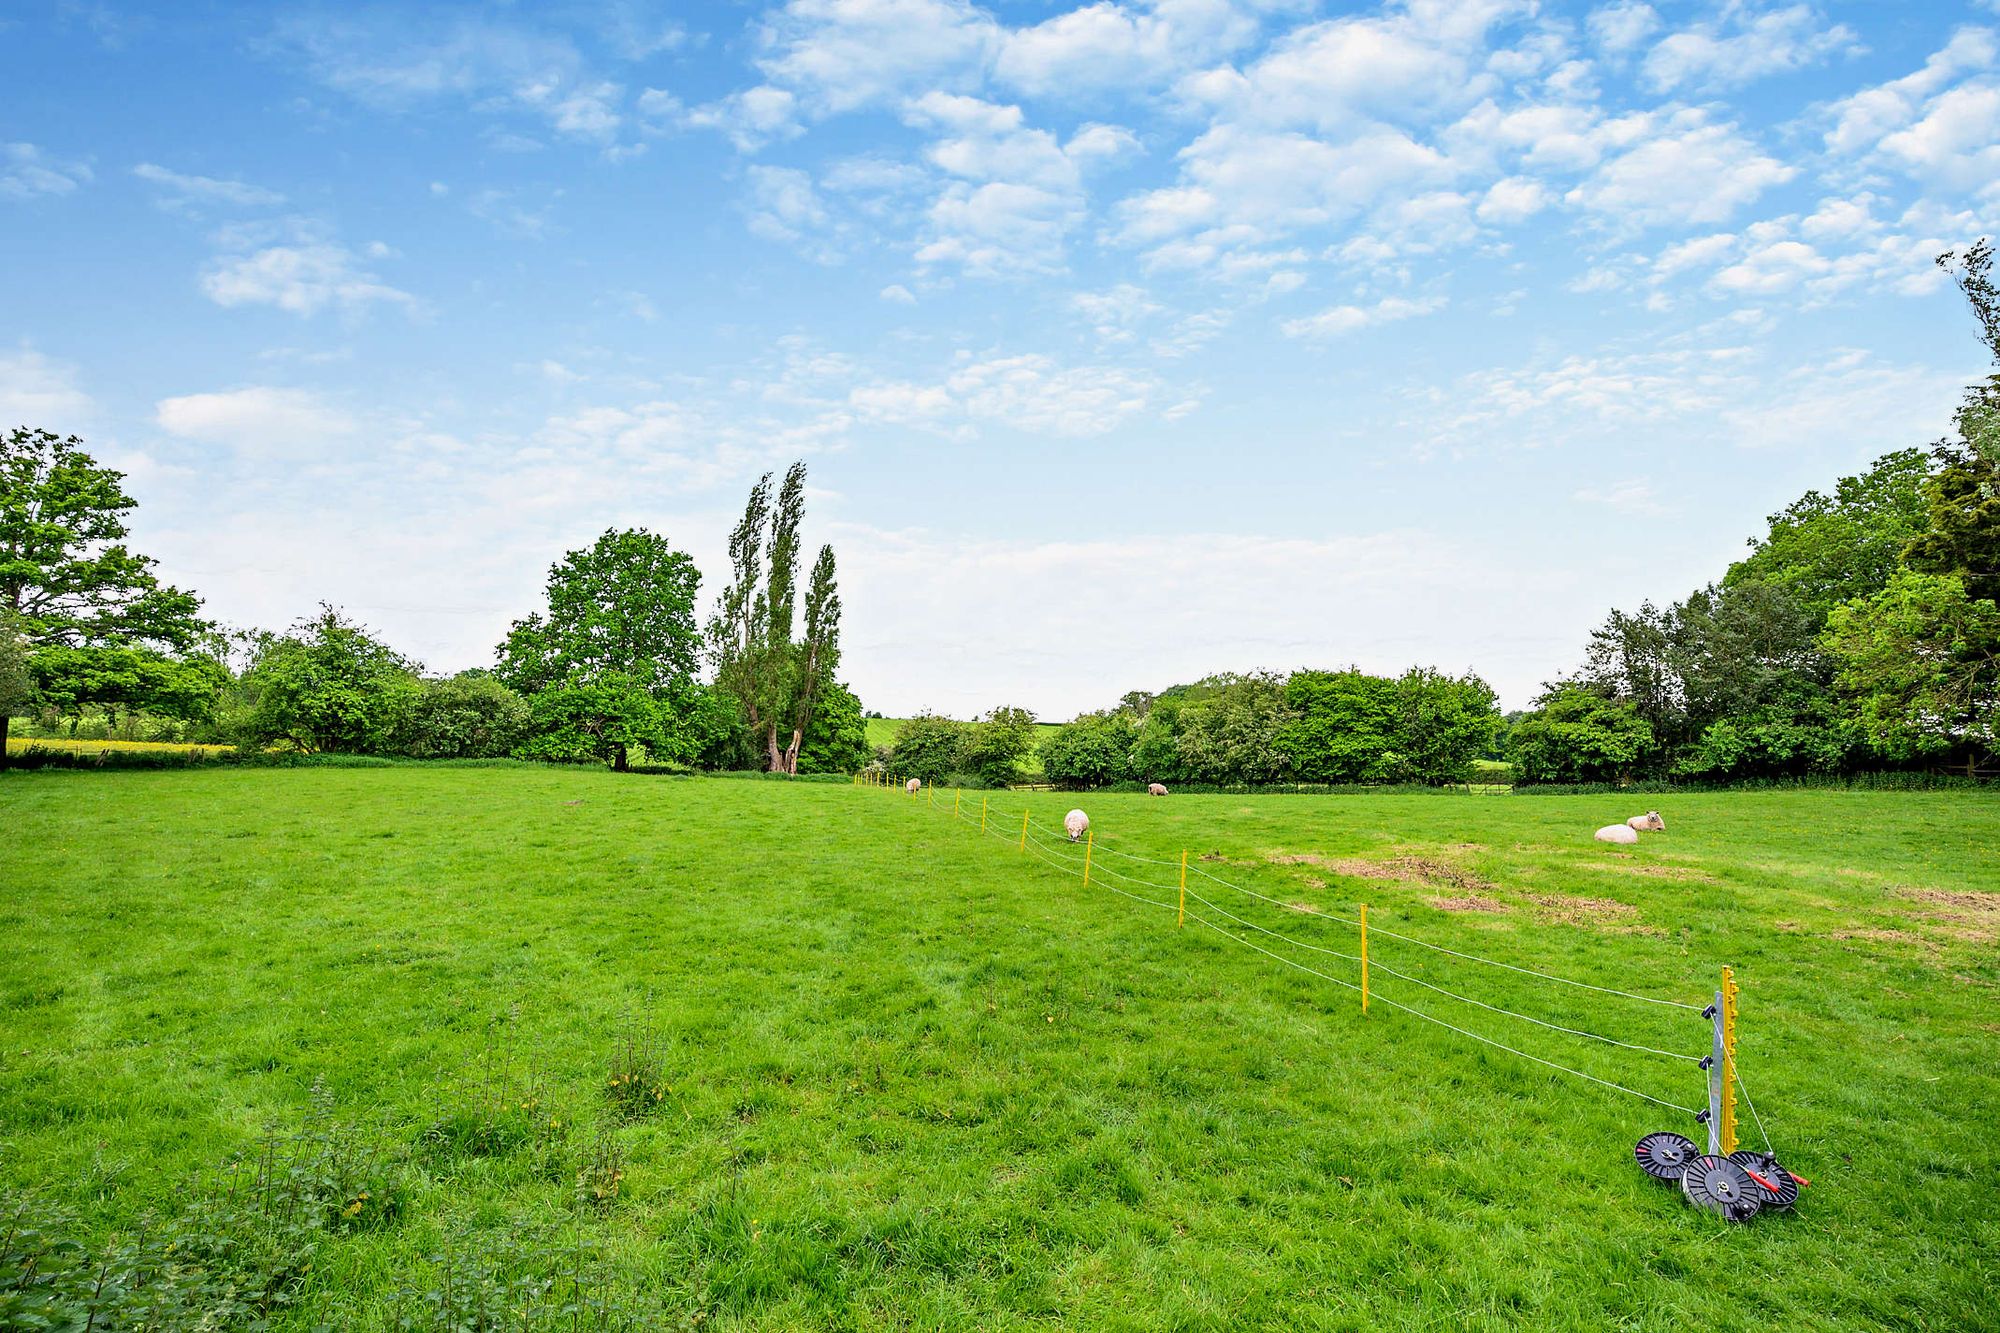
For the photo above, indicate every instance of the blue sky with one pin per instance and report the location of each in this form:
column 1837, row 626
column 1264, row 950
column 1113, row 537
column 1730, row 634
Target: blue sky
column 1125, row 342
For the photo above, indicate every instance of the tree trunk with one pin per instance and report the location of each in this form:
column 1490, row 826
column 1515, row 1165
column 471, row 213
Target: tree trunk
column 5, row 723
column 619, row 762
column 775, row 759
column 792, row 753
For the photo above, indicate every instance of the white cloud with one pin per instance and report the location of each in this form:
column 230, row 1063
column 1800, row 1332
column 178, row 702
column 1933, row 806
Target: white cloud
column 842, row 54
column 1630, row 496
column 1620, row 28
column 1647, row 184
column 40, row 393
column 1938, row 123
column 784, row 206
column 182, row 193
column 1116, row 314
column 1108, row 46
column 1341, row 320
column 1745, row 44
column 26, row 171
column 1515, row 199
column 1030, row 393
column 897, row 294
column 750, row 118
column 260, row 420
column 304, row 277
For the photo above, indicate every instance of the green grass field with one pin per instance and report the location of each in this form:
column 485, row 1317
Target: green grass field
column 911, row 1078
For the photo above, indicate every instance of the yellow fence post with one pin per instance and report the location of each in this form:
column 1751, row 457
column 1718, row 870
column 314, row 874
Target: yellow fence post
column 1728, row 1117
column 930, row 795
column 1364, row 958
column 954, row 802
column 1088, row 840
column 1181, row 920
column 1024, row 830
column 982, row 812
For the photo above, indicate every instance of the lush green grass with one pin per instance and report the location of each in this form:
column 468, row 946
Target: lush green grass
column 916, row 1079
column 882, row 731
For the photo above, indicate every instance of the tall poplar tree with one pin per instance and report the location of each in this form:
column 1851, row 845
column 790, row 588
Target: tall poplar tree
column 779, row 680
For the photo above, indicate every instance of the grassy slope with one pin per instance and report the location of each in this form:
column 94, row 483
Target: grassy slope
column 964, row 1092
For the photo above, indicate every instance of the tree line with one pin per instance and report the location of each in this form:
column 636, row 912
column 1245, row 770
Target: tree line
column 610, row 667
column 1861, row 632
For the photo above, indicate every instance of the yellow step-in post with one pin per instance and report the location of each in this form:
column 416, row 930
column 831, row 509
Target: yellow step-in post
column 1024, row 830
column 1181, row 919
column 930, row 795
column 1088, row 839
column 1364, row 958
column 982, row 812
column 954, row 802
column 1728, row 1116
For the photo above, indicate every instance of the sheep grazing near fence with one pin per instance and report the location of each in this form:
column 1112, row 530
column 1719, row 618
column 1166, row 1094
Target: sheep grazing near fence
column 1618, row 833
column 913, row 786
column 1076, row 824
column 1155, row 789
column 1650, row 822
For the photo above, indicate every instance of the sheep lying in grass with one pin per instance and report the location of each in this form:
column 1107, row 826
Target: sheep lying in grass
column 1618, row 833
column 913, row 786
column 1076, row 824
column 1155, row 789
column 1650, row 822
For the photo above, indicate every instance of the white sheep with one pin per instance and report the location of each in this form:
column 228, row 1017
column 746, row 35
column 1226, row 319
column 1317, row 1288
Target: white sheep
column 913, row 786
column 1076, row 824
column 1619, row 834
column 1155, row 789
column 1650, row 822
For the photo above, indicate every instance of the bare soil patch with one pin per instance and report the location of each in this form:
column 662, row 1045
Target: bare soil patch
column 1583, row 911
column 1471, row 904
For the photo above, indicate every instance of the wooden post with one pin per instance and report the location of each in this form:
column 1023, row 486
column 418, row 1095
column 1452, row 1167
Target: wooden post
column 1365, row 957
column 1088, row 840
column 1181, row 919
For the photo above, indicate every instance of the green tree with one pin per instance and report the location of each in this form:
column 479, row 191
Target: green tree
column 17, row 688
column 1234, row 732
column 326, row 687
column 1576, row 734
column 620, row 619
column 1444, row 724
column 96, row 624
column 996, row 744
column 1826, row 549
column 1091, row 751
column 928, row 747
column 603, row 718
column 1922, row 658
column 838, row 741
column 467, row 716
column 776, row 678
column 1346, row 728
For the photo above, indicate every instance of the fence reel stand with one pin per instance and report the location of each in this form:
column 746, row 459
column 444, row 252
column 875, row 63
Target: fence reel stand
column 1775, row 1186
column 1721, row 1187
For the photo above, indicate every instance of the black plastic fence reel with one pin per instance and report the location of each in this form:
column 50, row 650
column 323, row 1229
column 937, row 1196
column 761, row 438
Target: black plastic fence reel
column 1664, row 1155
column 1721, row 1187
column 1775, row 1186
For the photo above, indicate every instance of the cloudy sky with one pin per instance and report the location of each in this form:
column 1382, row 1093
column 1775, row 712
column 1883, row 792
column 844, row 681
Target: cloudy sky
column 1124, row 342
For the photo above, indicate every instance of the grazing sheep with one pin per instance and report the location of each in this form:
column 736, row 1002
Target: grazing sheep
column 1155, row 789
column 1618, row 833
column 1650, row 822
column 1076, row 824
column 913, row 786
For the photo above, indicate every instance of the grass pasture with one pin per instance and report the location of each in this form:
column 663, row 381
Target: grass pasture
column 21, row 744
column 906, row 1077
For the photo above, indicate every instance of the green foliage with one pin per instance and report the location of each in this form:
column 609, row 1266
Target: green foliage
column 1233, row 731
column 623, row 607
column 995, row 746
column 837, row 741
column 776, row 679
column 603, row 720
column 1923, row 659
column 1095, row 750
column 327, row 686
column 1826, row 549
column 90, row 616
column 928, row 747
column 1347, row 726
column 1445, row 723
column 1575, row 734
column 17, row 688
column 467, row 716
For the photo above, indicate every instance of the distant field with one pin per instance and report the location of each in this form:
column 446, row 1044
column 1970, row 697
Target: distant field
column 882, row 730
column 88, row 747
column 909, row 1077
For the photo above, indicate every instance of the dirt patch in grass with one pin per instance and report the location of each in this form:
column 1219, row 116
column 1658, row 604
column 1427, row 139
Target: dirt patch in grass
column 1886, row 937
column 1583, row 911
column 1966, row 915
column 1426, row 871
column 1471, row 904
column 1671, row 872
